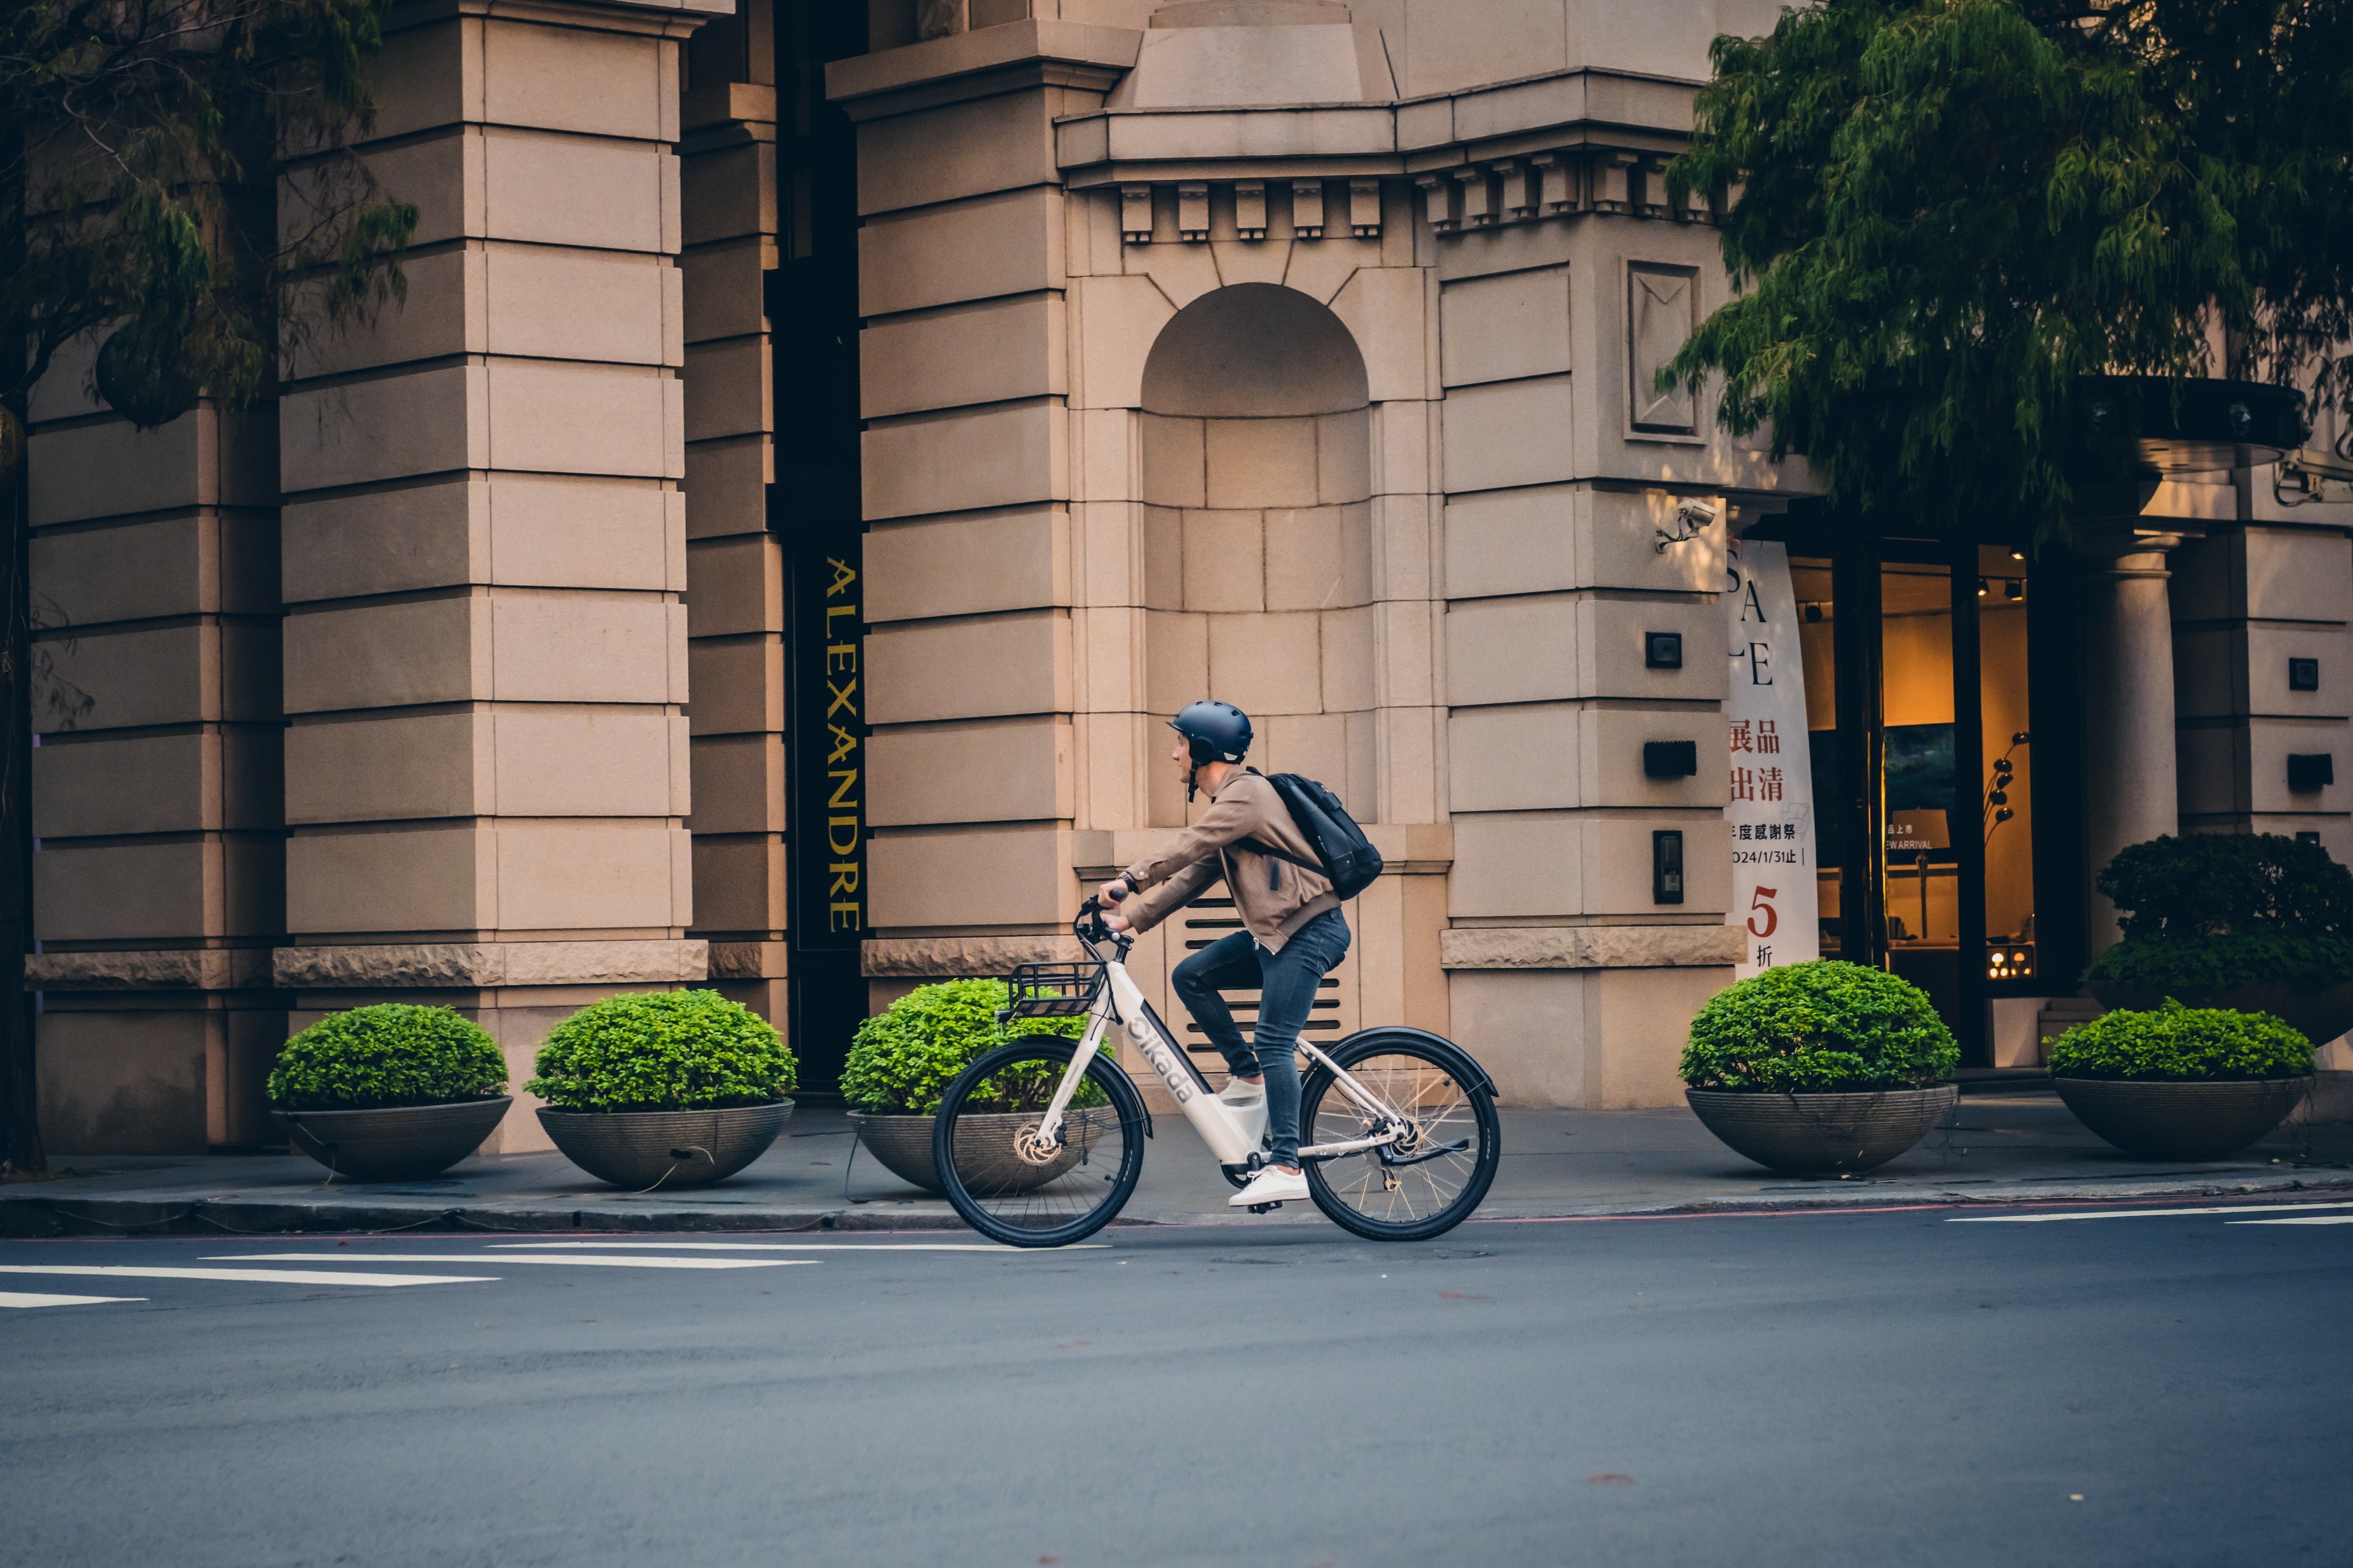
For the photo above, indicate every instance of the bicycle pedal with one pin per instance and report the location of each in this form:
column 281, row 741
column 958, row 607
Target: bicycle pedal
column 1262, row 1208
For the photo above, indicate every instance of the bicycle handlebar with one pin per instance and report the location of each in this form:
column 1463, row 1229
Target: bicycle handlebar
column 1089, row 927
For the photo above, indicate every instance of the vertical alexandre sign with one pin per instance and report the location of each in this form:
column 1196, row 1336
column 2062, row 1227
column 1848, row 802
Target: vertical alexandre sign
column 829, row 763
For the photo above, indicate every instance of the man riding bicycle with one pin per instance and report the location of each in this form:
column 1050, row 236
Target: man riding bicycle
column 1292, row 931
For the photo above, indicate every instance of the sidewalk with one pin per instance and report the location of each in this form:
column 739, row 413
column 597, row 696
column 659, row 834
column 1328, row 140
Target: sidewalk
column 1997, row 1148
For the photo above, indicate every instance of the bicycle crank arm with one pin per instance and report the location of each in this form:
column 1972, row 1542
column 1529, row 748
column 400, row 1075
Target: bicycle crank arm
column 1354, row 1146
column 1432, row 1152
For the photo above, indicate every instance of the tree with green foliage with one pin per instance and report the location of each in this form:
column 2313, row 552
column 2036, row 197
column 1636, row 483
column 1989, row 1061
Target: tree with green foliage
column 175, row 180
column 1949, row 211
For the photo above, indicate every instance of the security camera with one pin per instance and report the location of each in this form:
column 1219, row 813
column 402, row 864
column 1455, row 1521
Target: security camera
column 1694, row 513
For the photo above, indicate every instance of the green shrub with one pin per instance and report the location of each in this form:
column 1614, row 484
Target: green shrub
column 903, row 1059
column 2177, row 1043
column 2208, row 912
column 663, row 1050
column 2196, row 966
column 2221, row 884
column 1819, row 1027
column 392, row 1054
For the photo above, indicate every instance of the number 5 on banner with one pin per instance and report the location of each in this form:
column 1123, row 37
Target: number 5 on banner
column 1762, row 900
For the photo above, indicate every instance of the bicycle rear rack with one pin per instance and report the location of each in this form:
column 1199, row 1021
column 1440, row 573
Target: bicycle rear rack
column 1052, row 990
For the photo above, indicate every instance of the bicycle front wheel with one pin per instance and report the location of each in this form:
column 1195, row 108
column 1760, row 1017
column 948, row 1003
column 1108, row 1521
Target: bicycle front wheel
column 1426, row 1183
column 1008, row 1180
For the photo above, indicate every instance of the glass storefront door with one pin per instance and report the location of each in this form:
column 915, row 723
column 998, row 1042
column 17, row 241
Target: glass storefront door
column 1918, row 711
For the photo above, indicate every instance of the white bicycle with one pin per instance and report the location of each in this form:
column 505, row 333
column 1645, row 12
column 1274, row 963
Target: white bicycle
column 1040, row 1143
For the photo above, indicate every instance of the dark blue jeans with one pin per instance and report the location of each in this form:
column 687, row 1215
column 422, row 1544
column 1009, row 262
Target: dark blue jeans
column 1286, row 984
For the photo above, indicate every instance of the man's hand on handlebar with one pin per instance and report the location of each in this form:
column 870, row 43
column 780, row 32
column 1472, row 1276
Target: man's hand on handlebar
column 1111, row 894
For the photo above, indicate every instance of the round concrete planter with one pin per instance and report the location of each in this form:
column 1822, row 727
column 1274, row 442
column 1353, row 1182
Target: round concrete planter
column 2193, row 1120
column 666, row 1148
column 405, row 1143
column 1805, row 1134
column 984, row 1147
column 2319, row 1015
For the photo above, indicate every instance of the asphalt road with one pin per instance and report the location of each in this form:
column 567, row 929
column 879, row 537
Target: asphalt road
column 1909, row 1387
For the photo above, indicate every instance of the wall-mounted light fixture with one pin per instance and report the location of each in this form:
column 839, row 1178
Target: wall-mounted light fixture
column 2303, row 675
column 1670, row 758
column 1662, row 651
column 2310, row 772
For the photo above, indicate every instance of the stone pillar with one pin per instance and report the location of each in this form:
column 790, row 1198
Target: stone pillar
column 2128, row 720
column 2261, row 672
column 484, row 544
column 968, row 663
column 155, row 798
column 735, row 595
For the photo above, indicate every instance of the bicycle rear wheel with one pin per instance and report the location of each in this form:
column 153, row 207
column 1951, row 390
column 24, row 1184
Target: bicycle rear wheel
column 1425, row 1183
column 1014, row 1186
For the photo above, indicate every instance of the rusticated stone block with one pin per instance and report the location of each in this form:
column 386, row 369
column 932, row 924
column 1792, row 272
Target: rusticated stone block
column 1590, row 947
column 941, row 956
column 177, row 969
column 491, row 963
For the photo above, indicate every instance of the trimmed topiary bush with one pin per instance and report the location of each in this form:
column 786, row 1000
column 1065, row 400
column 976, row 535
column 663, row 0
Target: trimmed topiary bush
column 1822, row 1028
column 390, row 1055
column 903, row 1059
column 663, row 1050
column 2208, row 912
column 2176, row 1044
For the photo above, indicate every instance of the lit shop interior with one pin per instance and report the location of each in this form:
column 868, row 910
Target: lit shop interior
column 1940, row 686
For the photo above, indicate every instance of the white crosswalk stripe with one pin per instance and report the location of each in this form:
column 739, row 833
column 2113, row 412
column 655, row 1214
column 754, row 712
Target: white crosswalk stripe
column 33, row 1298
column 578, row 1258
column 2130, row 1214
column 501, row 1250
column 2302, row 1219
column 284, row 1275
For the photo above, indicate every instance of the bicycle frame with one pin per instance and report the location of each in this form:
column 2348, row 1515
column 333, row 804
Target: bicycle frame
column 1121, row 1002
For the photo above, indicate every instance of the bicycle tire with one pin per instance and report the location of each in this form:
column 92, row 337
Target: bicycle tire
column 1469, row 1109
column 1071, row 1204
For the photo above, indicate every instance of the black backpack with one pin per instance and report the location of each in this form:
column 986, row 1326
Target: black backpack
column 1342, row 853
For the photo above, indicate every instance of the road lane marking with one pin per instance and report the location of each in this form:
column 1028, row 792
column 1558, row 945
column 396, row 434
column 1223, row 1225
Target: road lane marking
column 2127, row 1214
column 584, row 1259
column 31, row 1298
column 286, row 1276
column 503, row 1247
column 2301, row 1219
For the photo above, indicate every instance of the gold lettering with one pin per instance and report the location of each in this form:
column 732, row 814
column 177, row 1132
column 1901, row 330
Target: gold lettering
column 850, row 911
column 841, row 657
column 834, row 826
column 842, row 697
column 844, row 742
column 848, row 777
column 845, row 876
column 844, row 574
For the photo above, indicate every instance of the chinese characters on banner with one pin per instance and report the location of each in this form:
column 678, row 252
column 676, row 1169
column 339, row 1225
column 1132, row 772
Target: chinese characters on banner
column 1771, row 811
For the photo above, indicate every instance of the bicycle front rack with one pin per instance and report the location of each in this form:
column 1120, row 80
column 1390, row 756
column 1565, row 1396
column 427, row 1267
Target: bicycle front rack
column 1051, row 990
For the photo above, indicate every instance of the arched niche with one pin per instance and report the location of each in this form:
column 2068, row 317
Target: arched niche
column 1253, row 350
column 1257, row 474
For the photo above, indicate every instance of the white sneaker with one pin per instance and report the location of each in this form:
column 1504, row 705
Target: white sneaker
column 1239, row 1092
column 1270, row 1186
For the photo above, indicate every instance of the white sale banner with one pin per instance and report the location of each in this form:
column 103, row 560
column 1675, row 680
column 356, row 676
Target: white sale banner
column 1771, row 808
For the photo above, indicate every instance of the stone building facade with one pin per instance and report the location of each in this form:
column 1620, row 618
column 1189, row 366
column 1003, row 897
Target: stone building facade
column 821, row 444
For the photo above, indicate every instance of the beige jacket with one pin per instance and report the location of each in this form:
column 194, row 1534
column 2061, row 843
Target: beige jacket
column 1273, row 897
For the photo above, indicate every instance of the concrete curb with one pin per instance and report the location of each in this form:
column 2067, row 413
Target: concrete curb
column 31, row 1214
